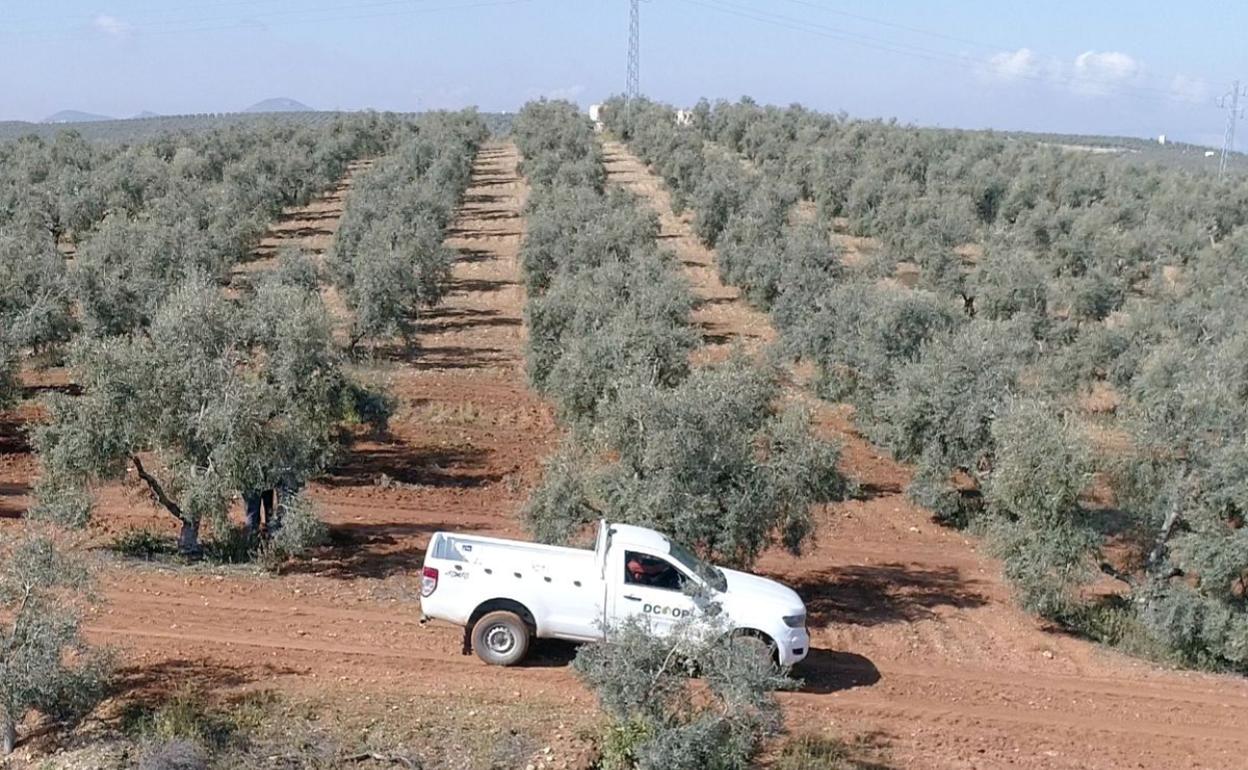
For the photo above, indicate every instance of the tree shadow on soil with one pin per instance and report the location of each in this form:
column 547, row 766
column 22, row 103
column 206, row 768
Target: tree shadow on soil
column 13, row 438
column 829, row 671
column 470, row 255
column 8, row 508
column 869, row 595
column 155, row 682
column 478, row 285
column 464, row 319
column 429, row 357
column 372, row 550
column 399, row 464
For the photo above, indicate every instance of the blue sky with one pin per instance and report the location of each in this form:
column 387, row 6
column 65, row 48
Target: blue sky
column 1138, row 68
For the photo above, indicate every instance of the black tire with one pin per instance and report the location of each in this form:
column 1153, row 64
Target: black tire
column 501, row 638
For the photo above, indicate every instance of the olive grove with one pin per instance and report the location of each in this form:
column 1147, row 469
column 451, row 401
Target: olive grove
column 1037, row 277
column 705, row 455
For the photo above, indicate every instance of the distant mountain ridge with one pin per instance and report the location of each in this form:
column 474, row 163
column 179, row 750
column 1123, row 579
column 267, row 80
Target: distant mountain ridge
column 74, row 116
column 279, row 104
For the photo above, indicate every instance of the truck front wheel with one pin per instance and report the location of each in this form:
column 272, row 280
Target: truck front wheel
column 501, row 638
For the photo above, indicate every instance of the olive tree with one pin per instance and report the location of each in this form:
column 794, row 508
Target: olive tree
column 598, row 330
column 35, row 300
column 217, row 397
column 1041, row 465
column 45, row 664
column 940, row 410
column 1186, row 480
column 711, row 461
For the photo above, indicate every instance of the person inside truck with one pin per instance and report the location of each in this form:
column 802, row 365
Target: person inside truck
column 644, row 570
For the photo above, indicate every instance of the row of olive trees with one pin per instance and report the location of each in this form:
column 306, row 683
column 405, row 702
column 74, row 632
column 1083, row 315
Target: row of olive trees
column 1073, row 240
column 707, row 456
column 928, row 380
column 388, row 258
column 144, row 217
column 975, row 374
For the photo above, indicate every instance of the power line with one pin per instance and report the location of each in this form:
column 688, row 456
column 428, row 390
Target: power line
column 943, row 57
column 1230, row 102
column 895, row 25
column 301, row 16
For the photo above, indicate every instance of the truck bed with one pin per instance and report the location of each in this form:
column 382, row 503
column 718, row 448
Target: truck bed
column 517, row 554
column 562, row 587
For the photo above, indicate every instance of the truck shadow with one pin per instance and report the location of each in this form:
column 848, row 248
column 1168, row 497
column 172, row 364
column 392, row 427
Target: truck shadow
column 829, row 671
column 550, row 653
column 876, row 594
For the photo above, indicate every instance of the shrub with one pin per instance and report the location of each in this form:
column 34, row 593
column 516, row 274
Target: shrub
column 644, row 684
column 45, row 664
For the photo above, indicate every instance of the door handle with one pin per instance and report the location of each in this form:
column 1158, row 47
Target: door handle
column 632, row 598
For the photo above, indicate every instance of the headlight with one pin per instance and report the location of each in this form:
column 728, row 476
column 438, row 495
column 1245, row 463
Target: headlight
column 795, row 621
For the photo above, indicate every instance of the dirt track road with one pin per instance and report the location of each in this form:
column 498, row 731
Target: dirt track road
column 917, row 645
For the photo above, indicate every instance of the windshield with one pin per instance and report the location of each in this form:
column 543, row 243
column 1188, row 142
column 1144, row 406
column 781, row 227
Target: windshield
column 712, row 575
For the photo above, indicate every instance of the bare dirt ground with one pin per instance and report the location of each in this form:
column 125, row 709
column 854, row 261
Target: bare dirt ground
column 462, row 453
column 917, row 645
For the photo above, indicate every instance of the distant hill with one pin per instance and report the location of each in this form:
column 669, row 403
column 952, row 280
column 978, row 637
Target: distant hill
column 280, row 104
column 74, row 116
column 147, row 114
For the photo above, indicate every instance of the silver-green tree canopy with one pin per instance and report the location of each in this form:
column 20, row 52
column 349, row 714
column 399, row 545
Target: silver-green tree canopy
column 216, row 397
column 45, row 664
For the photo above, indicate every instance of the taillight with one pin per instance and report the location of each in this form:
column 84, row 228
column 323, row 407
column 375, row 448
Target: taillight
column 428, row 581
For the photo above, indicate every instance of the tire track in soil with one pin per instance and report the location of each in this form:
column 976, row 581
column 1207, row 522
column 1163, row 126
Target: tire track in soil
column 916, row 640
column 462, row 452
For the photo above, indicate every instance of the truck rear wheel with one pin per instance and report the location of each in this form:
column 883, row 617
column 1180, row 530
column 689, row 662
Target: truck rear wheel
column 501, row 638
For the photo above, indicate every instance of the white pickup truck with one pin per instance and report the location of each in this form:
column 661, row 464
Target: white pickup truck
column 505, row 592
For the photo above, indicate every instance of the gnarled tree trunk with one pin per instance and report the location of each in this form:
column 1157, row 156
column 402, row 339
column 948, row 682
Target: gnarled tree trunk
column 8, row 734
column 188, row 537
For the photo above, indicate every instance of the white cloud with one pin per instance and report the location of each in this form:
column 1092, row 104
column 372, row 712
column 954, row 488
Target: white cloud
column 110, row 25
column 1099, row 73
column 1091, row 73
column 1011, row 65
column 1189, row 89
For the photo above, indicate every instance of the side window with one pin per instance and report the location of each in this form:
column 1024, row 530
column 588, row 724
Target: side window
column 641, row 569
